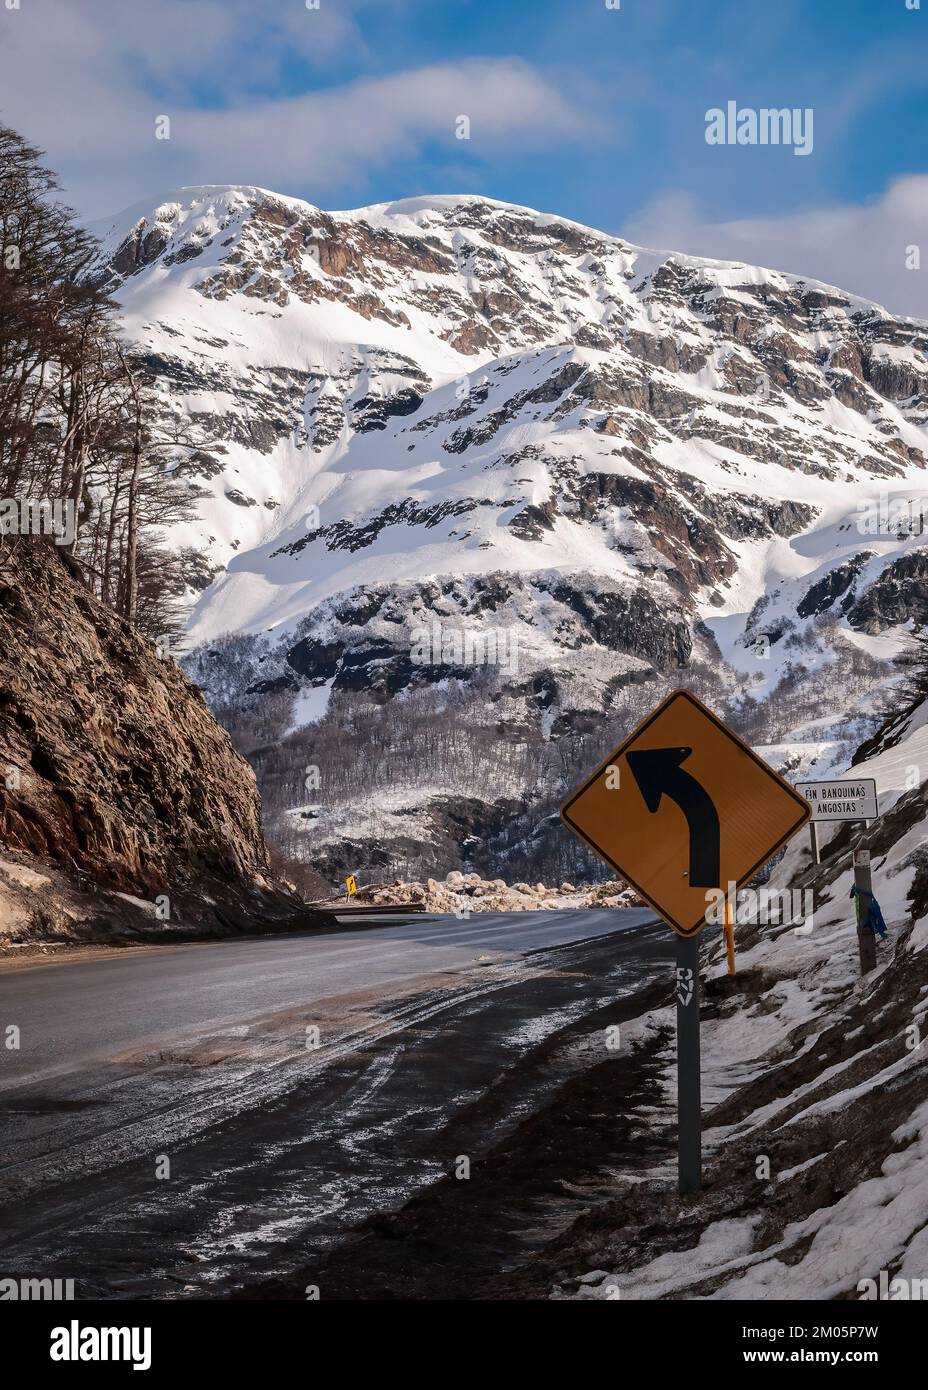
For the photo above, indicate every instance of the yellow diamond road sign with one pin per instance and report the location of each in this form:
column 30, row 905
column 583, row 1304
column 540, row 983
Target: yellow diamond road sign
column 683, row 807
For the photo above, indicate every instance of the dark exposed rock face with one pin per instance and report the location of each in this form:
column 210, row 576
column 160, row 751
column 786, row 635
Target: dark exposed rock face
column 344, row 535
column 317, row 660
column 373, row 412
column 387, row 640
column 894, row 380
column 900, row 593
column 112, row 765
column 890, row 733
column 631, row 622
column 143, row 245
column 823, row 593
column 529, row 523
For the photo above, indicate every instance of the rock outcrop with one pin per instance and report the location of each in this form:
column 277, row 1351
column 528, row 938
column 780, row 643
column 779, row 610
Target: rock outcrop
column 123, row 805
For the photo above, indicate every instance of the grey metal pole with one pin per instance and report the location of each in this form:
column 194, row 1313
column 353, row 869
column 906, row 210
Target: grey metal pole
column 689, row 1090
column 813, row 835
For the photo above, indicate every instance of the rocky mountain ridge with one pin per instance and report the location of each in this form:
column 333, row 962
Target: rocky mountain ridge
column 458, row 417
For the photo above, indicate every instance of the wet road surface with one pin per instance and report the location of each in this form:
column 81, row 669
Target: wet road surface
column 204, row 1118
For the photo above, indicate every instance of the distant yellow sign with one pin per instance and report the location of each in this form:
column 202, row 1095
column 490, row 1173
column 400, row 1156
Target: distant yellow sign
column 351, row 883
column 684, row 806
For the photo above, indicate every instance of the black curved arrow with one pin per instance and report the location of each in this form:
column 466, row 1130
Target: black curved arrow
column 658, row 773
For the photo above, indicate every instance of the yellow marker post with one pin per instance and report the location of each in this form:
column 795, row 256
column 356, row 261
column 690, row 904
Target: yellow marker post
column 730, row 936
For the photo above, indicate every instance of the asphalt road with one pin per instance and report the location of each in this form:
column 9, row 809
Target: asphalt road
column 437, row 1038
column 71, row 1013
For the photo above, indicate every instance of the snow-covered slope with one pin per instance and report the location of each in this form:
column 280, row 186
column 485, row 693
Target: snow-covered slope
column 461, row 386
column 456, row 410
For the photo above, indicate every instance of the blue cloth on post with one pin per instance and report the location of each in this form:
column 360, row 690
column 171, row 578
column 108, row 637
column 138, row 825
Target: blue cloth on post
column 874, row 920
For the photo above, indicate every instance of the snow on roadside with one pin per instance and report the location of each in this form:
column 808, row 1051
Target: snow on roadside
column 463, row 894
column 819, row 1071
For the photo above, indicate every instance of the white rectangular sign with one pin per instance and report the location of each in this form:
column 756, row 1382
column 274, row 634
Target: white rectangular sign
column 842, row 799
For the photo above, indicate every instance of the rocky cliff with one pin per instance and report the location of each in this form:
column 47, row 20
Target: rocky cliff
column 124, row 809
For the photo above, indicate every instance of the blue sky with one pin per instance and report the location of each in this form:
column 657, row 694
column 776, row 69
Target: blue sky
column 647, row 73
column 595, row 113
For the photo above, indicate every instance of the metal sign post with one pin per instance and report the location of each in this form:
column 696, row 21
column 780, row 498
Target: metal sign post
column 689, row 1081
column 847, row 800
column 813, row 836
column 680, row 809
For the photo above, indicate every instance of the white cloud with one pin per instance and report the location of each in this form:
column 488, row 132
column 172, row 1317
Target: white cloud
column 87, row 82
column 862, row 248
column 370, row 122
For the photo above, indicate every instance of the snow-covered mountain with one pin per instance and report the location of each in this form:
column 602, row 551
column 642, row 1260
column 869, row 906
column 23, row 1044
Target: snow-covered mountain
column 455, row 415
